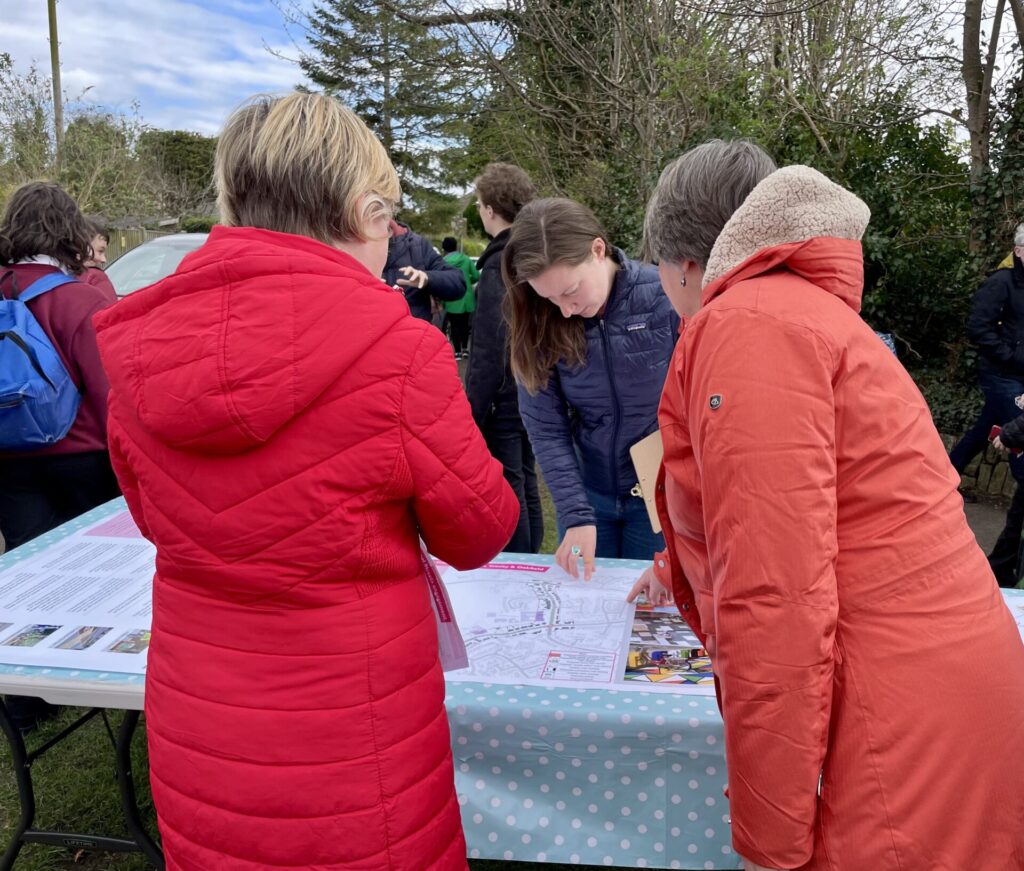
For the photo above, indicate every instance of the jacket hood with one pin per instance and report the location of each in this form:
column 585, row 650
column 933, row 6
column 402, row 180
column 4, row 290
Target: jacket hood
column 248, row 332
column 798, row 220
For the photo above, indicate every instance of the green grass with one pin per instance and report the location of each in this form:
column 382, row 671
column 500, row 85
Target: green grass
column 76, row 788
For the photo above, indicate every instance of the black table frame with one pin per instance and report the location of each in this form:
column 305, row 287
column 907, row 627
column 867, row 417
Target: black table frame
column 23, row 760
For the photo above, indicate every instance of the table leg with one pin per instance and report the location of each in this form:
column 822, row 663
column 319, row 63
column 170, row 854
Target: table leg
column 26, row 796
column 22, row 761
column 127, row 786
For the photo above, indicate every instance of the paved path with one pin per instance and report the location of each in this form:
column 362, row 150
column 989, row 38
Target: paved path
column 986, row 519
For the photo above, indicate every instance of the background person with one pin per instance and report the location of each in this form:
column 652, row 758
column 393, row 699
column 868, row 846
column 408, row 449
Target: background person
column 501, row 191
column 817, row 543
column 460, row 311
column 414, row 264
column 93, row 272
column 591, row 335
column 42, row 233
column 285, row 432
column 996, row 328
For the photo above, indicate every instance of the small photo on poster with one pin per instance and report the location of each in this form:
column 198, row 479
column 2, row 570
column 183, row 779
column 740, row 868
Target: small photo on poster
column 679, row 665
column 82, row 637
column 135, row 641
column 661, row 627
column 29, row 636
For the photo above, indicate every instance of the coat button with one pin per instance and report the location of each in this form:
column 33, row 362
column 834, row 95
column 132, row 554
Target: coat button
column 661, row 564
column 686, row 607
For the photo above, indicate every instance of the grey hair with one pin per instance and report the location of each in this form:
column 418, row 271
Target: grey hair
column 1018, row 236
column 697, row 195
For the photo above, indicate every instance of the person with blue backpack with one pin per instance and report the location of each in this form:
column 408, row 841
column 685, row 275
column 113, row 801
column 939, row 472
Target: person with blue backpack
column 53, row 390
column 54, row 463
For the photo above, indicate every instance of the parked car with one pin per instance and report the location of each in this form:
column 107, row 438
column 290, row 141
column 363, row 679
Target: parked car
column 151, row 261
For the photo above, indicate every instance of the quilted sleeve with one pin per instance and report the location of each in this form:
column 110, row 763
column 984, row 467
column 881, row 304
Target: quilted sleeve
column 126, row 478
column 1012, row 434
column 443, row 280
column 545, row 415
column 763, row 428
column 466, row 510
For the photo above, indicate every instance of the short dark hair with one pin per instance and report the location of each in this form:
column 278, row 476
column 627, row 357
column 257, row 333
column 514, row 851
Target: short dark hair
column 448, row 244
column 98, row 229
column 505, row 188
column 42, row 219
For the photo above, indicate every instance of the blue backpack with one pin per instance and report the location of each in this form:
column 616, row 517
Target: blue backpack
column 38, row 399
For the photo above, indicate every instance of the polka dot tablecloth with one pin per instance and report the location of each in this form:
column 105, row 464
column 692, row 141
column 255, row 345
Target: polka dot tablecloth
column 590, row 777
column 549, row 774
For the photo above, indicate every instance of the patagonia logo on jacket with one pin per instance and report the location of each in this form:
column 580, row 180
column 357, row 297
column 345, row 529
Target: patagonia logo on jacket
column 639, row 325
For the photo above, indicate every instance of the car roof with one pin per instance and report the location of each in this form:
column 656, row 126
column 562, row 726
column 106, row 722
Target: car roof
column 178, row 238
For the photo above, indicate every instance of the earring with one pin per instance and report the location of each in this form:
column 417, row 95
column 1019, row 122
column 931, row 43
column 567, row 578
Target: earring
column 682, row 280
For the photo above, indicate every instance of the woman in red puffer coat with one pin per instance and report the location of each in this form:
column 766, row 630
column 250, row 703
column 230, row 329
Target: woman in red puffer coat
column 284, row 432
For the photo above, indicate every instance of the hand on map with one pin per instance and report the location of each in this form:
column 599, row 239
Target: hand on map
column 580, row 542
column 651, row 588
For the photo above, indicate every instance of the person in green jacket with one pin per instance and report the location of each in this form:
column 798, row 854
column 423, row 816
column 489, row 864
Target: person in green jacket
column 460, row 310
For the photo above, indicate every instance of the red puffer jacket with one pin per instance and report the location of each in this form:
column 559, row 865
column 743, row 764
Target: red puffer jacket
column 284, row 430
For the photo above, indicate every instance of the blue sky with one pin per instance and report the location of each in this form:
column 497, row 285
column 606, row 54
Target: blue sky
column 186, row 64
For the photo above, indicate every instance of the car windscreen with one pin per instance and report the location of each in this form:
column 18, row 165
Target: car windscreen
column 147, row 264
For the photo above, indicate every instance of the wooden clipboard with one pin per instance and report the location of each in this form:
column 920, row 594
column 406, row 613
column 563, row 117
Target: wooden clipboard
column 647, row 454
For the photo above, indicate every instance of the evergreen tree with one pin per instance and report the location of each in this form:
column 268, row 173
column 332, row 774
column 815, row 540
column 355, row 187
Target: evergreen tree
column 400, row 78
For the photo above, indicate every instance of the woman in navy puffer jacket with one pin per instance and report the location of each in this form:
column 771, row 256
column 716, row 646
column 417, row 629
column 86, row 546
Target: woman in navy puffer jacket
column 591, row 334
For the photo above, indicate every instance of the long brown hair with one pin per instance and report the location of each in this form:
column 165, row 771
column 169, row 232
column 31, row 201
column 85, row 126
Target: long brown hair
column 546, row 232
column 42, row 219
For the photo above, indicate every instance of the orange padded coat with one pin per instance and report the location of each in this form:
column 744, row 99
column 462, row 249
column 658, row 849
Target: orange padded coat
column 870, row 676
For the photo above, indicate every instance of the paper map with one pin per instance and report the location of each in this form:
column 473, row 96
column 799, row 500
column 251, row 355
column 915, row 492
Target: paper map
column 533, row 624
column 84, row 602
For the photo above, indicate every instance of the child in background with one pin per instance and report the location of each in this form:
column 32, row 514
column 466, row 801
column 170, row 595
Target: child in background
column 460, row 310
column 93, row 273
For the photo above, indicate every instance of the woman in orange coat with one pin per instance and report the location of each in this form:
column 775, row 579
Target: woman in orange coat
column 870, row 675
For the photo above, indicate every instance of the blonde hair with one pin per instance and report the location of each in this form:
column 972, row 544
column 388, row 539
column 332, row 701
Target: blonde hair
column 303, row 164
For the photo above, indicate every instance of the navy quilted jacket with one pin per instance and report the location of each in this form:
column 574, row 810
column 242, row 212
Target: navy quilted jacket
column 443, row 280
column 583, row 423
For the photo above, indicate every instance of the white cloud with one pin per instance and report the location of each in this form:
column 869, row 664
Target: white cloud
column 186, row 64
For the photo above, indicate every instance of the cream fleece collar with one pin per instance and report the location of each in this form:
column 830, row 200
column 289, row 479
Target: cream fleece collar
column 792, row 204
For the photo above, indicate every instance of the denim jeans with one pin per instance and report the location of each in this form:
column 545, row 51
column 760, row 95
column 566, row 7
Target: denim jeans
column 623, row 527
column 1000, row 392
